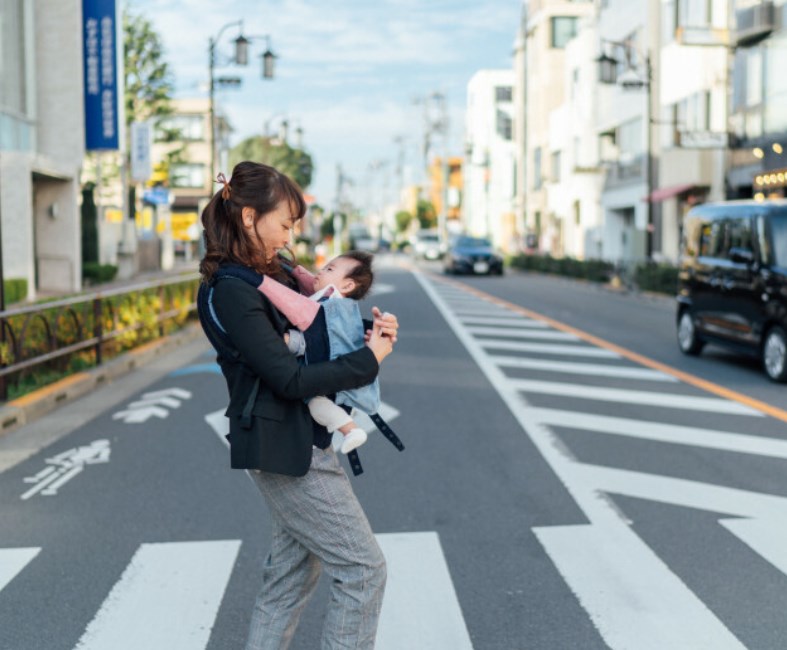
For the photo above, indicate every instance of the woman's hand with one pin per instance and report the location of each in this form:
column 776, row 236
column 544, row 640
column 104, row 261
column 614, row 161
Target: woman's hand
column 386, row 323
column 379, row 343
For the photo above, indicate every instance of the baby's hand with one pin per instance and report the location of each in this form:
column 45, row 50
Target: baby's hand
column 287, row 338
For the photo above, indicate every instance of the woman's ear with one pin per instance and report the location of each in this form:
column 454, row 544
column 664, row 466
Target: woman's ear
column 248, row 214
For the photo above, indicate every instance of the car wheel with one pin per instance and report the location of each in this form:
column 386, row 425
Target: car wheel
column 688, row 341
column 774, row 354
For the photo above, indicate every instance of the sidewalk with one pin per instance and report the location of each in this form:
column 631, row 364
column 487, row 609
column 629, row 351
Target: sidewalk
column 33, row 405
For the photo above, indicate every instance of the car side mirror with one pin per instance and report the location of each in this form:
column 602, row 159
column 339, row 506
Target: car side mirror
column 741, row 256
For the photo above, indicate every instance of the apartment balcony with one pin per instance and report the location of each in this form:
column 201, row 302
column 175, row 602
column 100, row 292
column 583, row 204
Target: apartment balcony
column 754, row 23
column 624, row 172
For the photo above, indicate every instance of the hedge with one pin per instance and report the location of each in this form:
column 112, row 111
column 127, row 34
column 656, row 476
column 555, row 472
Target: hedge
column 646, row 276
column 14, row 290
column 94, row 273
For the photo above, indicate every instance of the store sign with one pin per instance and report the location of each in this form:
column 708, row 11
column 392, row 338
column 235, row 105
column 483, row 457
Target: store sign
column 141, row 143
column 704, row 139
column 100, row 54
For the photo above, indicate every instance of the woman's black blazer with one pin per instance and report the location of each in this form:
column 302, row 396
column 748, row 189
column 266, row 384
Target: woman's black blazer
column 281, row 433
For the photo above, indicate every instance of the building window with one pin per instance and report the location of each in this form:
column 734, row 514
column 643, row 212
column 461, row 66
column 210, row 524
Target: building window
column 630, row 140
column 503, row 94
column 564, row 28
column 181, row 128
column 504, row 125
column 188, row 175
column 537, row 176
column 12, row 57
column 669, row 21
column 694, row 13
column 556, row 163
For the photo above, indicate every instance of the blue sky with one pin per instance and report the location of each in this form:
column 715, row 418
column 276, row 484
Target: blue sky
column 348, row 73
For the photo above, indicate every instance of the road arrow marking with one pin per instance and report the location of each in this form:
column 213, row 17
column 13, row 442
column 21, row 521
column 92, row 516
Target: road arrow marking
column 151, row 405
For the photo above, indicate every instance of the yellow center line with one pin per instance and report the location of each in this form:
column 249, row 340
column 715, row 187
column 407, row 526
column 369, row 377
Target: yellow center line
column 703, row 384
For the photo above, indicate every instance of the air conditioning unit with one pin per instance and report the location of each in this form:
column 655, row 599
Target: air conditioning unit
column 754, row 23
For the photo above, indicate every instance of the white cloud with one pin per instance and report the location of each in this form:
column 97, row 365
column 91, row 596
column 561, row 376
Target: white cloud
column 348, row 70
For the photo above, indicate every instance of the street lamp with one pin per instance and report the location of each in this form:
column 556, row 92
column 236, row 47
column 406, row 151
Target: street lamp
column 634, row 79
column 241, row 57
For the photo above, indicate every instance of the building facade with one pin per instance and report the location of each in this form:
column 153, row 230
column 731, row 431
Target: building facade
column 42, row 138
column 489, row 166
column 549, row 27
column 757, row 163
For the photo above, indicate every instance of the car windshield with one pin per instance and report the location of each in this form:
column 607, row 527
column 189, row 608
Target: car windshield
column 779, row 237
column 473, row 242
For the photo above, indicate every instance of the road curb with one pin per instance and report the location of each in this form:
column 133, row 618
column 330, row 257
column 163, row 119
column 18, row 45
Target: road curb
column 32, row 406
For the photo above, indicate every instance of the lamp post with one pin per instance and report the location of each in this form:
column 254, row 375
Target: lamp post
column 241, row 58
column 631, row 79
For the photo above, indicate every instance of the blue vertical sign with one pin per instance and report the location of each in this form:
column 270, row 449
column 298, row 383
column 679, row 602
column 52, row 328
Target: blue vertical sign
column 99, row 39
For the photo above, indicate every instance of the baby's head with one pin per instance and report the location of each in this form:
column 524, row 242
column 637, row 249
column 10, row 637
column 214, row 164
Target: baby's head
column 351, row 273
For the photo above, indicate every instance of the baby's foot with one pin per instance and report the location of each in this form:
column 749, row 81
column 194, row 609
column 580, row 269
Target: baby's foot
column 353, row 440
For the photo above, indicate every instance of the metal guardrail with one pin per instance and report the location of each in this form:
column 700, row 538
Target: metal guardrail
column 22, row 338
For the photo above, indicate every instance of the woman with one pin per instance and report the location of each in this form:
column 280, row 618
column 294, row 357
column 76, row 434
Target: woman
column 316, row 519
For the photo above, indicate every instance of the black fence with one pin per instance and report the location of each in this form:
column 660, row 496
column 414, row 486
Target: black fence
column 52, row 339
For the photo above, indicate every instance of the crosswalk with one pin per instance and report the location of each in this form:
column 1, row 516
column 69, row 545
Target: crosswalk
column 554, row 381
column 169, row 595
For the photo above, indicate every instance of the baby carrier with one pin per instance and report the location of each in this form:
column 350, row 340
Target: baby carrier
column 318, row 348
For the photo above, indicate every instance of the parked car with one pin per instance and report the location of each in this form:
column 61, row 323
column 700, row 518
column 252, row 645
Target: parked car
column 361, row 239
column 472, row 255
column 732, row 281
column 428, row 245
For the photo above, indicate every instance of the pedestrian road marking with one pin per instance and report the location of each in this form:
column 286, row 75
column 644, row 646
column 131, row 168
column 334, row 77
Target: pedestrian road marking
column 764, row 536
column 632, row 597
column 648, row 398
column 548, row 348
column 12, row 561
column 420, row 608
column 668, row 433
column 166, row 599
column 517, row 321
column 596, row 370
column 522, row 332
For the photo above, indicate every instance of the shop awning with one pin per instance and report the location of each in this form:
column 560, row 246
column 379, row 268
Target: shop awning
column 664, row 193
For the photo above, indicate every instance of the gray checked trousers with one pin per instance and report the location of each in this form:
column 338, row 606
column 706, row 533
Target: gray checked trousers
column 317, row 523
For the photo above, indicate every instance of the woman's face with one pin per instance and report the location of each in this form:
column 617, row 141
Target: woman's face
column 273, row 229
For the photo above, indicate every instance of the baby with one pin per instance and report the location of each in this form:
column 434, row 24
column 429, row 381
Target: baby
column 339, row 285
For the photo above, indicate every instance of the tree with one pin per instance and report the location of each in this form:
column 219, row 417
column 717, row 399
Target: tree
column 403, row 219
column 295, row 163
column 148, row 81
column 427, row 216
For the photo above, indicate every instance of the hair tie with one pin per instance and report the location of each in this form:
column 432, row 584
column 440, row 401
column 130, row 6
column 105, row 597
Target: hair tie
column 225, row 192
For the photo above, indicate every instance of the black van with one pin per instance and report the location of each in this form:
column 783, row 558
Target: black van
column 732, row 282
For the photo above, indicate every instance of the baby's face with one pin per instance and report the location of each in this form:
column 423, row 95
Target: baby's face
column 334, row 272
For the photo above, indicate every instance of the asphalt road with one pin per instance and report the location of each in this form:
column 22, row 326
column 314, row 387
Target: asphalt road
column 552, row 494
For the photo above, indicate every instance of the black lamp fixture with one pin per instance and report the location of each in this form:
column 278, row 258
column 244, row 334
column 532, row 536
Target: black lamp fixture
column 268, row 61
column 241, row 50
column 607, row 69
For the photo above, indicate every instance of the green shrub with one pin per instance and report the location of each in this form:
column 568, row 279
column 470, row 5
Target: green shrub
column 14, row 290
column 662, row 278
column 594, row 270
column 95, row 273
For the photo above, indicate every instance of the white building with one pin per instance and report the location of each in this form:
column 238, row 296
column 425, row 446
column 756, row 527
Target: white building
column 574, row 179
column 693, row 110
column 41, row 142
column 490, row 172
